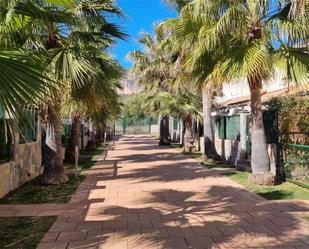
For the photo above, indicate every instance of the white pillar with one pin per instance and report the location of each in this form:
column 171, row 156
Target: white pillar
column 242, row 147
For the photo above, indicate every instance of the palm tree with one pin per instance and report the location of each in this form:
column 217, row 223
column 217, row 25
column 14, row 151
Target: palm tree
column 198, row 68
column 181, row 103
column 77, row 61
column 66, row 36
column 257, row 38
column 22, row 81
column 153, row 68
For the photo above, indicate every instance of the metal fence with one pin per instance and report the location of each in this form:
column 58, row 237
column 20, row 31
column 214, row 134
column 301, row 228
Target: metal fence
column 127, row 126
column 294, row 156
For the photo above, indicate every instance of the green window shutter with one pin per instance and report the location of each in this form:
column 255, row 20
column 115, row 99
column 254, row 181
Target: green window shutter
column 222, row 127
column 175, row 124
column 270, row 126
column 233, row 127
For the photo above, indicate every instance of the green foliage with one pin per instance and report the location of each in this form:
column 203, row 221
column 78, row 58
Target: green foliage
column 133, row 109
column 296, row 158
column 50, row 48
column 293, row 113
column 88, row 158
column 23, row 232
column 167, row 89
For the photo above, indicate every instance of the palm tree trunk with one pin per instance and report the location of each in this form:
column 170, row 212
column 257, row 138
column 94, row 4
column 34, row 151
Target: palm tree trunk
column 197, row 135
column 100, row 134
column 259, row 156
column 91, row 145
column 53, row 163
column 209, row 146
column 74, row 140
column 188, row 134
column 165, row 137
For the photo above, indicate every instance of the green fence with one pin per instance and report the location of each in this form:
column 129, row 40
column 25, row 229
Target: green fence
column 295, row 156
column 128, row 126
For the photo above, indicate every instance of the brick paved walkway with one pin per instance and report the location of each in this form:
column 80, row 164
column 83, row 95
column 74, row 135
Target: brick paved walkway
column 146, row 196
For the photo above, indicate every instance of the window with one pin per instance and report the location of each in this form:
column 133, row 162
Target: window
column 5, row 142
column 233, row 127
column 175, row 124
column 28, row 126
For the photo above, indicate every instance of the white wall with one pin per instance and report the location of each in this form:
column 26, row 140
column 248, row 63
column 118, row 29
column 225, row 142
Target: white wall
column 238, row 88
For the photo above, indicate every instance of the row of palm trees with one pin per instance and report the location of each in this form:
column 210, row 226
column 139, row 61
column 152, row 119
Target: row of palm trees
column 212, row 42
column 54, row 55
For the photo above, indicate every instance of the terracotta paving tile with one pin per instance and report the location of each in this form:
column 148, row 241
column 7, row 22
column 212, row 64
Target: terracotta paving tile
column 178, row 243
column 53, row 245
column 199, row 243
column 27, row 212
column 114, row 224
column 113, row 245
column 99, row 236
column 72, row 236
column 159, row 198
column 89, row 225
column 63, row 227
column 8, row 213
column 139, row 224
column 50, row 237
column 83, row 245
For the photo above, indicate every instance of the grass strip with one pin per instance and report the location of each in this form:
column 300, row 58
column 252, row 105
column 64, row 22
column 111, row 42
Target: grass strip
column 23, row 232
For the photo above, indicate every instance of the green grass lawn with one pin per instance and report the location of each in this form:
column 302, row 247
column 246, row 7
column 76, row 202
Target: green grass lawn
column 207, row 163
column 88, row 158
column 283, row 191
column 23, row 232
column 217, row 164
column 33, row 192
column 306, row 218
column 176, row 145
column 195, row 155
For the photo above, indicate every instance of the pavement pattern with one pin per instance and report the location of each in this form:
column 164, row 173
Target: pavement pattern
column 145, row 196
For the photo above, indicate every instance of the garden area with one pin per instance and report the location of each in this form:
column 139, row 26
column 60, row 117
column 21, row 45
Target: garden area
column 27, row 232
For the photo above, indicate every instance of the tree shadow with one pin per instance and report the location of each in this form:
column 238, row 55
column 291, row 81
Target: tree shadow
column 179, row 204
column 212, row 218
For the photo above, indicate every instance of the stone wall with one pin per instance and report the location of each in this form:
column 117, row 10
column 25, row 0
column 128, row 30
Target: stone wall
column 25, row 165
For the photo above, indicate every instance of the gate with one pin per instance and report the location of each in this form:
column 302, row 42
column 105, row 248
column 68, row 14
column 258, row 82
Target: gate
column 127, row 126
column 294, row 156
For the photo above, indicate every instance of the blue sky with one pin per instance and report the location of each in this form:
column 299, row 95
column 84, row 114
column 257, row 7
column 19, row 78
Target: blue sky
column 140, row 16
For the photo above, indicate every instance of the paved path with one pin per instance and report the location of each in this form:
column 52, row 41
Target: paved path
column 146, row 196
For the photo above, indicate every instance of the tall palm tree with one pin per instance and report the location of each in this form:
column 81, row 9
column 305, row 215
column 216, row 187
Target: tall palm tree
column 199, row 68
column 257, row 38
column 181, row 103
column 66, row 35
column 77, row 61
column 153, row 69
column 22, row 81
